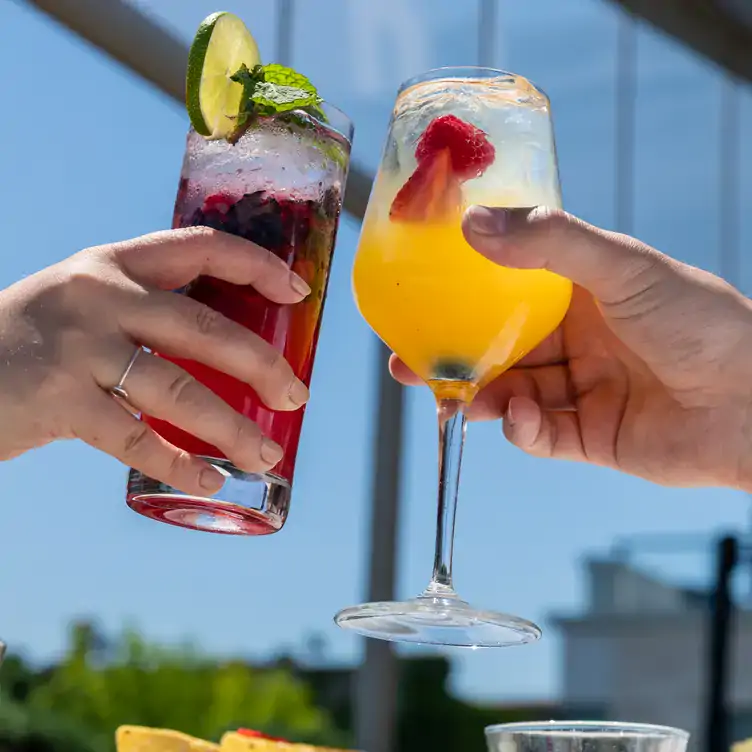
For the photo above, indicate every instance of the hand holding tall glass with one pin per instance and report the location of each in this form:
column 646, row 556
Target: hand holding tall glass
column 458, row 137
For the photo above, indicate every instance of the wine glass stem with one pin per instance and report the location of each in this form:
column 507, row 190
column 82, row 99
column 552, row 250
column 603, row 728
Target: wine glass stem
column 452, row 423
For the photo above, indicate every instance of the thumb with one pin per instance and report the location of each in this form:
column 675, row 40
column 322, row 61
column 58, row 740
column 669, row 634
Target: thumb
column 615, row 268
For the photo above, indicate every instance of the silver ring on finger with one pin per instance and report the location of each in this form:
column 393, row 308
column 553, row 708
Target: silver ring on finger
column 119, row 391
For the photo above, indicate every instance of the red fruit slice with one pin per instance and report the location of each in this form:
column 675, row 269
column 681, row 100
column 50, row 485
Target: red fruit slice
column 259, row 735
column 449, row 152
column 431, row 193
column 472, row 152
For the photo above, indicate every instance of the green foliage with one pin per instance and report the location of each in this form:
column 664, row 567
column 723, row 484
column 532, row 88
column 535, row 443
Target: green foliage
column 97, row 687
column 25, row 729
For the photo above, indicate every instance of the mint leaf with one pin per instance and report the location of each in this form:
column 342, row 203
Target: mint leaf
column 283, row 89
column 249, row 80
column 282, row 76
column 248, row 77
column 271, row 89
column 281, row 98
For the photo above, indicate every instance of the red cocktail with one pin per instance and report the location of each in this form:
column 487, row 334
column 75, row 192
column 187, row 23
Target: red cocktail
column 280, row 185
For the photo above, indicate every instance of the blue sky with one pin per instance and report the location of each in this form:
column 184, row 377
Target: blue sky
column 92, row 155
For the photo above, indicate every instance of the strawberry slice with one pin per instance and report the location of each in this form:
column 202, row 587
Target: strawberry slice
column 432, row 191
column 258, row 735
column 449, row 152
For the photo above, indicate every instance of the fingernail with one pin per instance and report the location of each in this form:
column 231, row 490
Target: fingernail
column 484, row 220
column 211, row 480
column 271, row 452
column 299, row 284
column 299, row 393
column 510, row 414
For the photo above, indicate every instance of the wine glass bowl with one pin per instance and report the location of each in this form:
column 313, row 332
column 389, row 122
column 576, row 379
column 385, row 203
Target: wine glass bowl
column 448, row 312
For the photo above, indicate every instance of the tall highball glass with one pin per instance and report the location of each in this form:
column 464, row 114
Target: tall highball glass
column 281, row 186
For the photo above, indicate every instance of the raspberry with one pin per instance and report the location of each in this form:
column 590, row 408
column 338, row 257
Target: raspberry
column 432, row 191
column 472, row 153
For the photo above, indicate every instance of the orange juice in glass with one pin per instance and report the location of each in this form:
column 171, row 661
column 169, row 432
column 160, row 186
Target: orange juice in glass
column 457, row 137
column 449, row 313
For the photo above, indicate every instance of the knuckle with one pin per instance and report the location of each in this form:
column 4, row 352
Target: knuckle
column 178, row 461
column 89, row 291
column 272, row 362
column 272, row 375
column 270, row 269
column 82, row 286
column 243, row 446
column 200, row 234
column 271, row 264
column 179, row 387
column 209, row 322
column 136, row 440
column 245, row 434
column 552, row 220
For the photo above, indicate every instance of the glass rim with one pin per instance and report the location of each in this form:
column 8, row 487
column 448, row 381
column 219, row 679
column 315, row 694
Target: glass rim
column 349, row 130
column 346, row 128
column 343, row 124
column 338, row 110
column 585, row 727
column 450, row 72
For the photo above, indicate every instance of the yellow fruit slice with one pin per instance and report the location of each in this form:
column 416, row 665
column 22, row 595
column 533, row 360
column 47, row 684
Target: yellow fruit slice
column 221, row 46
column 234, row 742
column 144, row 739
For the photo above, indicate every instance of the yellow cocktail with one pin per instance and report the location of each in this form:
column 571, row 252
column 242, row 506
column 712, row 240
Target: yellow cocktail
column 449, row 313
column 457, row 138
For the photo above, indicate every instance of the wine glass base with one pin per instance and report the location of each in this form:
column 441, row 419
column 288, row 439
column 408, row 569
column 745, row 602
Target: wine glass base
column 432, row 620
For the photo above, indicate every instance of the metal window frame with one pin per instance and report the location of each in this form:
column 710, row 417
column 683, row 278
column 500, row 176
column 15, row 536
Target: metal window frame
column 709, row 27
column 158, row 56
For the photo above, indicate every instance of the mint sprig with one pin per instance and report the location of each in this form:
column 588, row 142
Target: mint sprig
column 272, row 89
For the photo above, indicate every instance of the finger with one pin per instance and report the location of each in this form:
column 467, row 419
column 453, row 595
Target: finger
column 110, row 428
column 402, row 373
column 164, row 390
column 543, row 433
column 173, row 258
column 616, row 269
column 546, row 386
column 181, row 327
column 549, row 352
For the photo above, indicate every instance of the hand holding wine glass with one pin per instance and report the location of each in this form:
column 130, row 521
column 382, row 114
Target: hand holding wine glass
column 649, row 372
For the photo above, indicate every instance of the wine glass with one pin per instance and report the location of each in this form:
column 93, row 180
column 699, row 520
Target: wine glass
column 457, row 137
